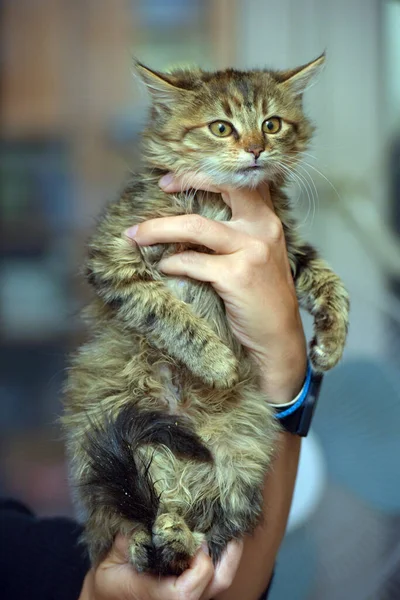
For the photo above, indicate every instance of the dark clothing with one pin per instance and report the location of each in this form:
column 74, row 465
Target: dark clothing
column 40, row 559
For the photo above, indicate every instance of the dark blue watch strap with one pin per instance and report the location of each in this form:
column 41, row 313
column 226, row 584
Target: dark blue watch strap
column 297, row 417
column 303, row 395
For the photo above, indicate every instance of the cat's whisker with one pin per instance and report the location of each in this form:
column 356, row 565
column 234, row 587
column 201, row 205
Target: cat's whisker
column 311, row 185
column 309, row 155
column 300, row 180
column 325, row 178
column 301, row 166
column 297, row 182
column 292, row 176
column 284, row 172
column 300, row 154
column 126, row 165
column 307, row 188
column 312, row 207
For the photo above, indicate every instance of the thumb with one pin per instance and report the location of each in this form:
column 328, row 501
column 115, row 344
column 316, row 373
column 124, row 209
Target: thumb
column 172, row 183
column 119, row 553
column 115, row 578
column 250, row 205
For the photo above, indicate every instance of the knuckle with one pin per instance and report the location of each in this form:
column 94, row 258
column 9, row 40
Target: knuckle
column 195, row 223
column 185, row 595
column 241, row 273
column 188, row 257
column 275, row 229
column 224, row 581
column 259, row 252
column 188, row 591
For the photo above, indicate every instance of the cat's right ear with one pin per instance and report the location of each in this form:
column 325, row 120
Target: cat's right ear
column 159, row 85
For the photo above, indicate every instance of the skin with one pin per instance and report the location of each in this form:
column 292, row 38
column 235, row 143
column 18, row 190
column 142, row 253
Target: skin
column 251, row 273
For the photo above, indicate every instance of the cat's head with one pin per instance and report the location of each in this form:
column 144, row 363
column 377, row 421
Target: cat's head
column 237, row 127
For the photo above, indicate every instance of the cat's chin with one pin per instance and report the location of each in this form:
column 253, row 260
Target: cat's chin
column 248, row 178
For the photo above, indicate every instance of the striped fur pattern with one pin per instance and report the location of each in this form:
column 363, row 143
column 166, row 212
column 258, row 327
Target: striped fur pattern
column 168, row 433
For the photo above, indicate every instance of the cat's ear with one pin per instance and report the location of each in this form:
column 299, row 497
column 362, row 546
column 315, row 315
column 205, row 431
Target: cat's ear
column 162, row 86
column 298, row 80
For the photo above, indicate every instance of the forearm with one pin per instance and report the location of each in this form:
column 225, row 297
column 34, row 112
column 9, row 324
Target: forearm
column 260, row 549
column 286, row 370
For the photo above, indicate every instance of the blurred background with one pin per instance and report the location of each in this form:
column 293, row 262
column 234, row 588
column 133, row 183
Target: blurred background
column 71, row 110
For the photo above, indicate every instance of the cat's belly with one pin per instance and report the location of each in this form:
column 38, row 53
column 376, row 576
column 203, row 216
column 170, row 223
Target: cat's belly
column 201, row 296
column 203, row 299
column 211, row 206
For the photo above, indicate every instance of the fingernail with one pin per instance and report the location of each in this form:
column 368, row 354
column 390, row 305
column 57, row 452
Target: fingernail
column 131, row 232
column 204, row 547
column 166, row 180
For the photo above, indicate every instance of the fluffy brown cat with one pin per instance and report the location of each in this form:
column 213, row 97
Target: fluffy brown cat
column 169, row 435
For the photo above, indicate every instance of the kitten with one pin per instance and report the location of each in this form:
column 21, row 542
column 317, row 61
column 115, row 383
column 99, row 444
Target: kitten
column 168, row 433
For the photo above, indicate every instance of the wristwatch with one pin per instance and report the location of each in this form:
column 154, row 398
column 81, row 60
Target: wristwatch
column 296, row 416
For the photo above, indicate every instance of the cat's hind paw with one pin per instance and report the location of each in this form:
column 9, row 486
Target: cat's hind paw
column 175, row 544
column 167, row 550
column 140, row 549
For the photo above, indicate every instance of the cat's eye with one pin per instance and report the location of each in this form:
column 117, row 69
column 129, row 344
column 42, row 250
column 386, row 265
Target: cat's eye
column 221, row 128
column 272, row 125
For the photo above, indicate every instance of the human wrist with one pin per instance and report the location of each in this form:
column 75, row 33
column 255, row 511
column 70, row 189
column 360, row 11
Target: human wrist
column 282, row 376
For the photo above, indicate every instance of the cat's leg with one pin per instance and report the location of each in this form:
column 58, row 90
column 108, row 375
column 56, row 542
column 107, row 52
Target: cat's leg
column 101, row 527
column 140, row 545
column 321, row 292
column 174, row 544
column 230, row 496
column 115, row 467
column 165, row 549
column 100, row 530
column 147, row 306
column 236, row 518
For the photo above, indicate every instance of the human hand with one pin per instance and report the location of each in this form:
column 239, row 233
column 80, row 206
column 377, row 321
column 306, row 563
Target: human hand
column 249, row 270
column 116, row 579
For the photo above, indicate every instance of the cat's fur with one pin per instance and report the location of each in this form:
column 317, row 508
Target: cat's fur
column 168, row 433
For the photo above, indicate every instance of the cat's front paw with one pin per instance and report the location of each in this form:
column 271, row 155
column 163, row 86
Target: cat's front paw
column 217, row 366
column 324, row 356
column 326, row 348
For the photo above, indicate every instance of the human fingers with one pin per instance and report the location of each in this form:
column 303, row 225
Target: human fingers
column 245, row 203
column 116, row 579
column 187, row 228
column 195, row 580
column 119, row 551
column 249, row 205
column 225, row 570
column 190, row 585
column 231, row 275
column 196, row 265
column 171, row 183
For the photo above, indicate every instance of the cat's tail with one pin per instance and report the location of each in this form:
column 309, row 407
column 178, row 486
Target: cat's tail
column 117, row 478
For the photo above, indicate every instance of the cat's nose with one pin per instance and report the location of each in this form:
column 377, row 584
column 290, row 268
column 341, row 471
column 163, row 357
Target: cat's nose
column 255, row 150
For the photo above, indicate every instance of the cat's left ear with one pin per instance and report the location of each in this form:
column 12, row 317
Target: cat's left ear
column 298, row 80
